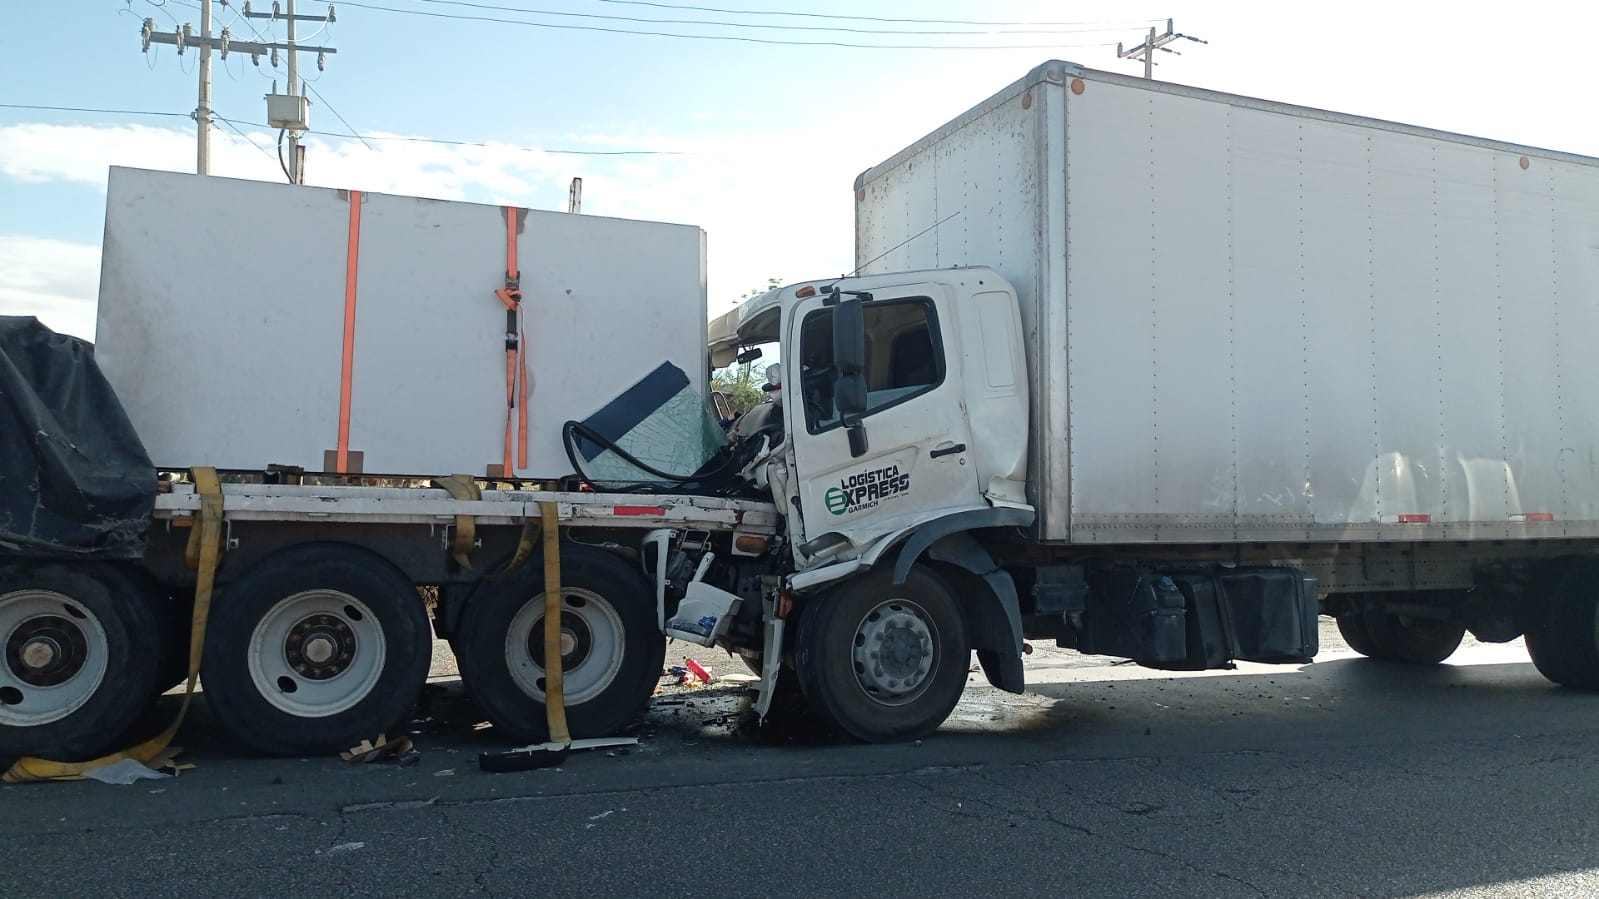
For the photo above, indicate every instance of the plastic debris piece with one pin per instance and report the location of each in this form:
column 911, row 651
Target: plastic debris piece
column 123, row 772
column 698, row 670
column 383, row 749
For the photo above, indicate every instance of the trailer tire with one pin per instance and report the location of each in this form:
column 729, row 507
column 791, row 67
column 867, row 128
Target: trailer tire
column 1415, row 641
column 173, row 614
column 315, row 649
column 610, row 672
column 92, row 674
column 845, row 679
column 1562, row 636
column 1352, row 627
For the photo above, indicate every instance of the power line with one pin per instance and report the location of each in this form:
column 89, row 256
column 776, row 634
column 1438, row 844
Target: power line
column 817, row 15
column 353, row 133
column 240, row 132
column 149, row 112
column 719, row 37
column 639, row 19
column 334, row 134
column 472, row 143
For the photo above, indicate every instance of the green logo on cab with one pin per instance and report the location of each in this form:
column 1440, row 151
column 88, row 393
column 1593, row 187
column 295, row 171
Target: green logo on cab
column 837, row 502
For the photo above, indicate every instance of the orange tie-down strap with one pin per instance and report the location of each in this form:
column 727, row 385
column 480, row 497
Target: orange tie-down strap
column 352, row 260
column 515, row 352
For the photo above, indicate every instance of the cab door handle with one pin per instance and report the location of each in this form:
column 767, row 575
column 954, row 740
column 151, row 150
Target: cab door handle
column 947, row 451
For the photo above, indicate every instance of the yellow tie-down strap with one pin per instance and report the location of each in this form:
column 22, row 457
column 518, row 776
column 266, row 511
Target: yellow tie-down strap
column 202, row 554
column 464, row 541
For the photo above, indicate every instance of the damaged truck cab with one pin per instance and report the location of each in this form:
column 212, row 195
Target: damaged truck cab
column 900, row 471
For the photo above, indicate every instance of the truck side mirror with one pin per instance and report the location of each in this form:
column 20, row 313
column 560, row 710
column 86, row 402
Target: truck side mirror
column 849, row 395
column 849, row 336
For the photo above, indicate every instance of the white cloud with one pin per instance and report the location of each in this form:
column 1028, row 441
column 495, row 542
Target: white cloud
column 773, row 205
column 55, row 280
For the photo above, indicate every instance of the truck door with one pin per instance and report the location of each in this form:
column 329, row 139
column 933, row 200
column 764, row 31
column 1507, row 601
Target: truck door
column 907, row 460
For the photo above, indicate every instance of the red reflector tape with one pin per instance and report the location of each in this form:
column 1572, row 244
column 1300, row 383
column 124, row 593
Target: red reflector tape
column 1540, row 516
column 1422, row 518
column 637, row 510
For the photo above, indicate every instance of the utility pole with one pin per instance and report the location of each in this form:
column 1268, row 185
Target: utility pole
column 292, row 111
column 185, row 37
column 1151, row 44
column 202, row 112
column 296, row 158
column 574, row 199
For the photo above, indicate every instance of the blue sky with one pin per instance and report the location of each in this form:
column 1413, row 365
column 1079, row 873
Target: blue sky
column 771, row 136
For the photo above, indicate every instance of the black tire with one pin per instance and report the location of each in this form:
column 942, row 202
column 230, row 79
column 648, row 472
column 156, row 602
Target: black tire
column 295, row 605
column 79, row 609
column 922, row 617
column 173, row 613
column 611, row 671
column 1415, row 641
column 1563, row 634
column 1352, row 627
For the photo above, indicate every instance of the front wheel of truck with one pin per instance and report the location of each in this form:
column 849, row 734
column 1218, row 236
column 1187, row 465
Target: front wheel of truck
column 882, row 661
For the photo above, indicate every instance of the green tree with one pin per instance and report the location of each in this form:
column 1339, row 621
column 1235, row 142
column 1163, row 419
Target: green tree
column 741, row 384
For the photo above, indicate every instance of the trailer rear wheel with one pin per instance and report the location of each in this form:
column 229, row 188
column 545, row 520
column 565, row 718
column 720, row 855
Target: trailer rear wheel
column 77, row 669
column 611, row 653
column 1352, row 627
column 1417, row 641
column 316, row 649
column 173, row 613
column 884, row 661
column 1563, row 636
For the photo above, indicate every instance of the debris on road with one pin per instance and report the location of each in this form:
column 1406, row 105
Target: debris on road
column 383, row 749
column 124, row 772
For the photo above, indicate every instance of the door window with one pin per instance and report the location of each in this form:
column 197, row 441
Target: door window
column 904, row 358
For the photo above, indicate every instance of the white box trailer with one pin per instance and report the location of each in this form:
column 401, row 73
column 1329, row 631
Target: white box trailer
column 246, row 324
column 1250, row 321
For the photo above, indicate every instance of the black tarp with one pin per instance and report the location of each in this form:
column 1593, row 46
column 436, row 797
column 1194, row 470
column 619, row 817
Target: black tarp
column 75, row 480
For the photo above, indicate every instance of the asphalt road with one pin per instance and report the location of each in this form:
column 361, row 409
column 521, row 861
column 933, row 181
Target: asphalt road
column 1341, row 778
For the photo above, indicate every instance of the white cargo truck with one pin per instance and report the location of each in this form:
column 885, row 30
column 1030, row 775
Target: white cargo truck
column 1158, row 372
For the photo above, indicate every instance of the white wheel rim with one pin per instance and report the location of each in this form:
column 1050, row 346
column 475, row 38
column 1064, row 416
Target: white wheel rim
column 593, row 644
column 317, row 653
column 55, row 657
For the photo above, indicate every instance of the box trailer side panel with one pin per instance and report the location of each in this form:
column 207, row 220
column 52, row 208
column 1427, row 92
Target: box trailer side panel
column 220, row 316
column 974, row 193
column 222, row 322
column 1286, row 324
